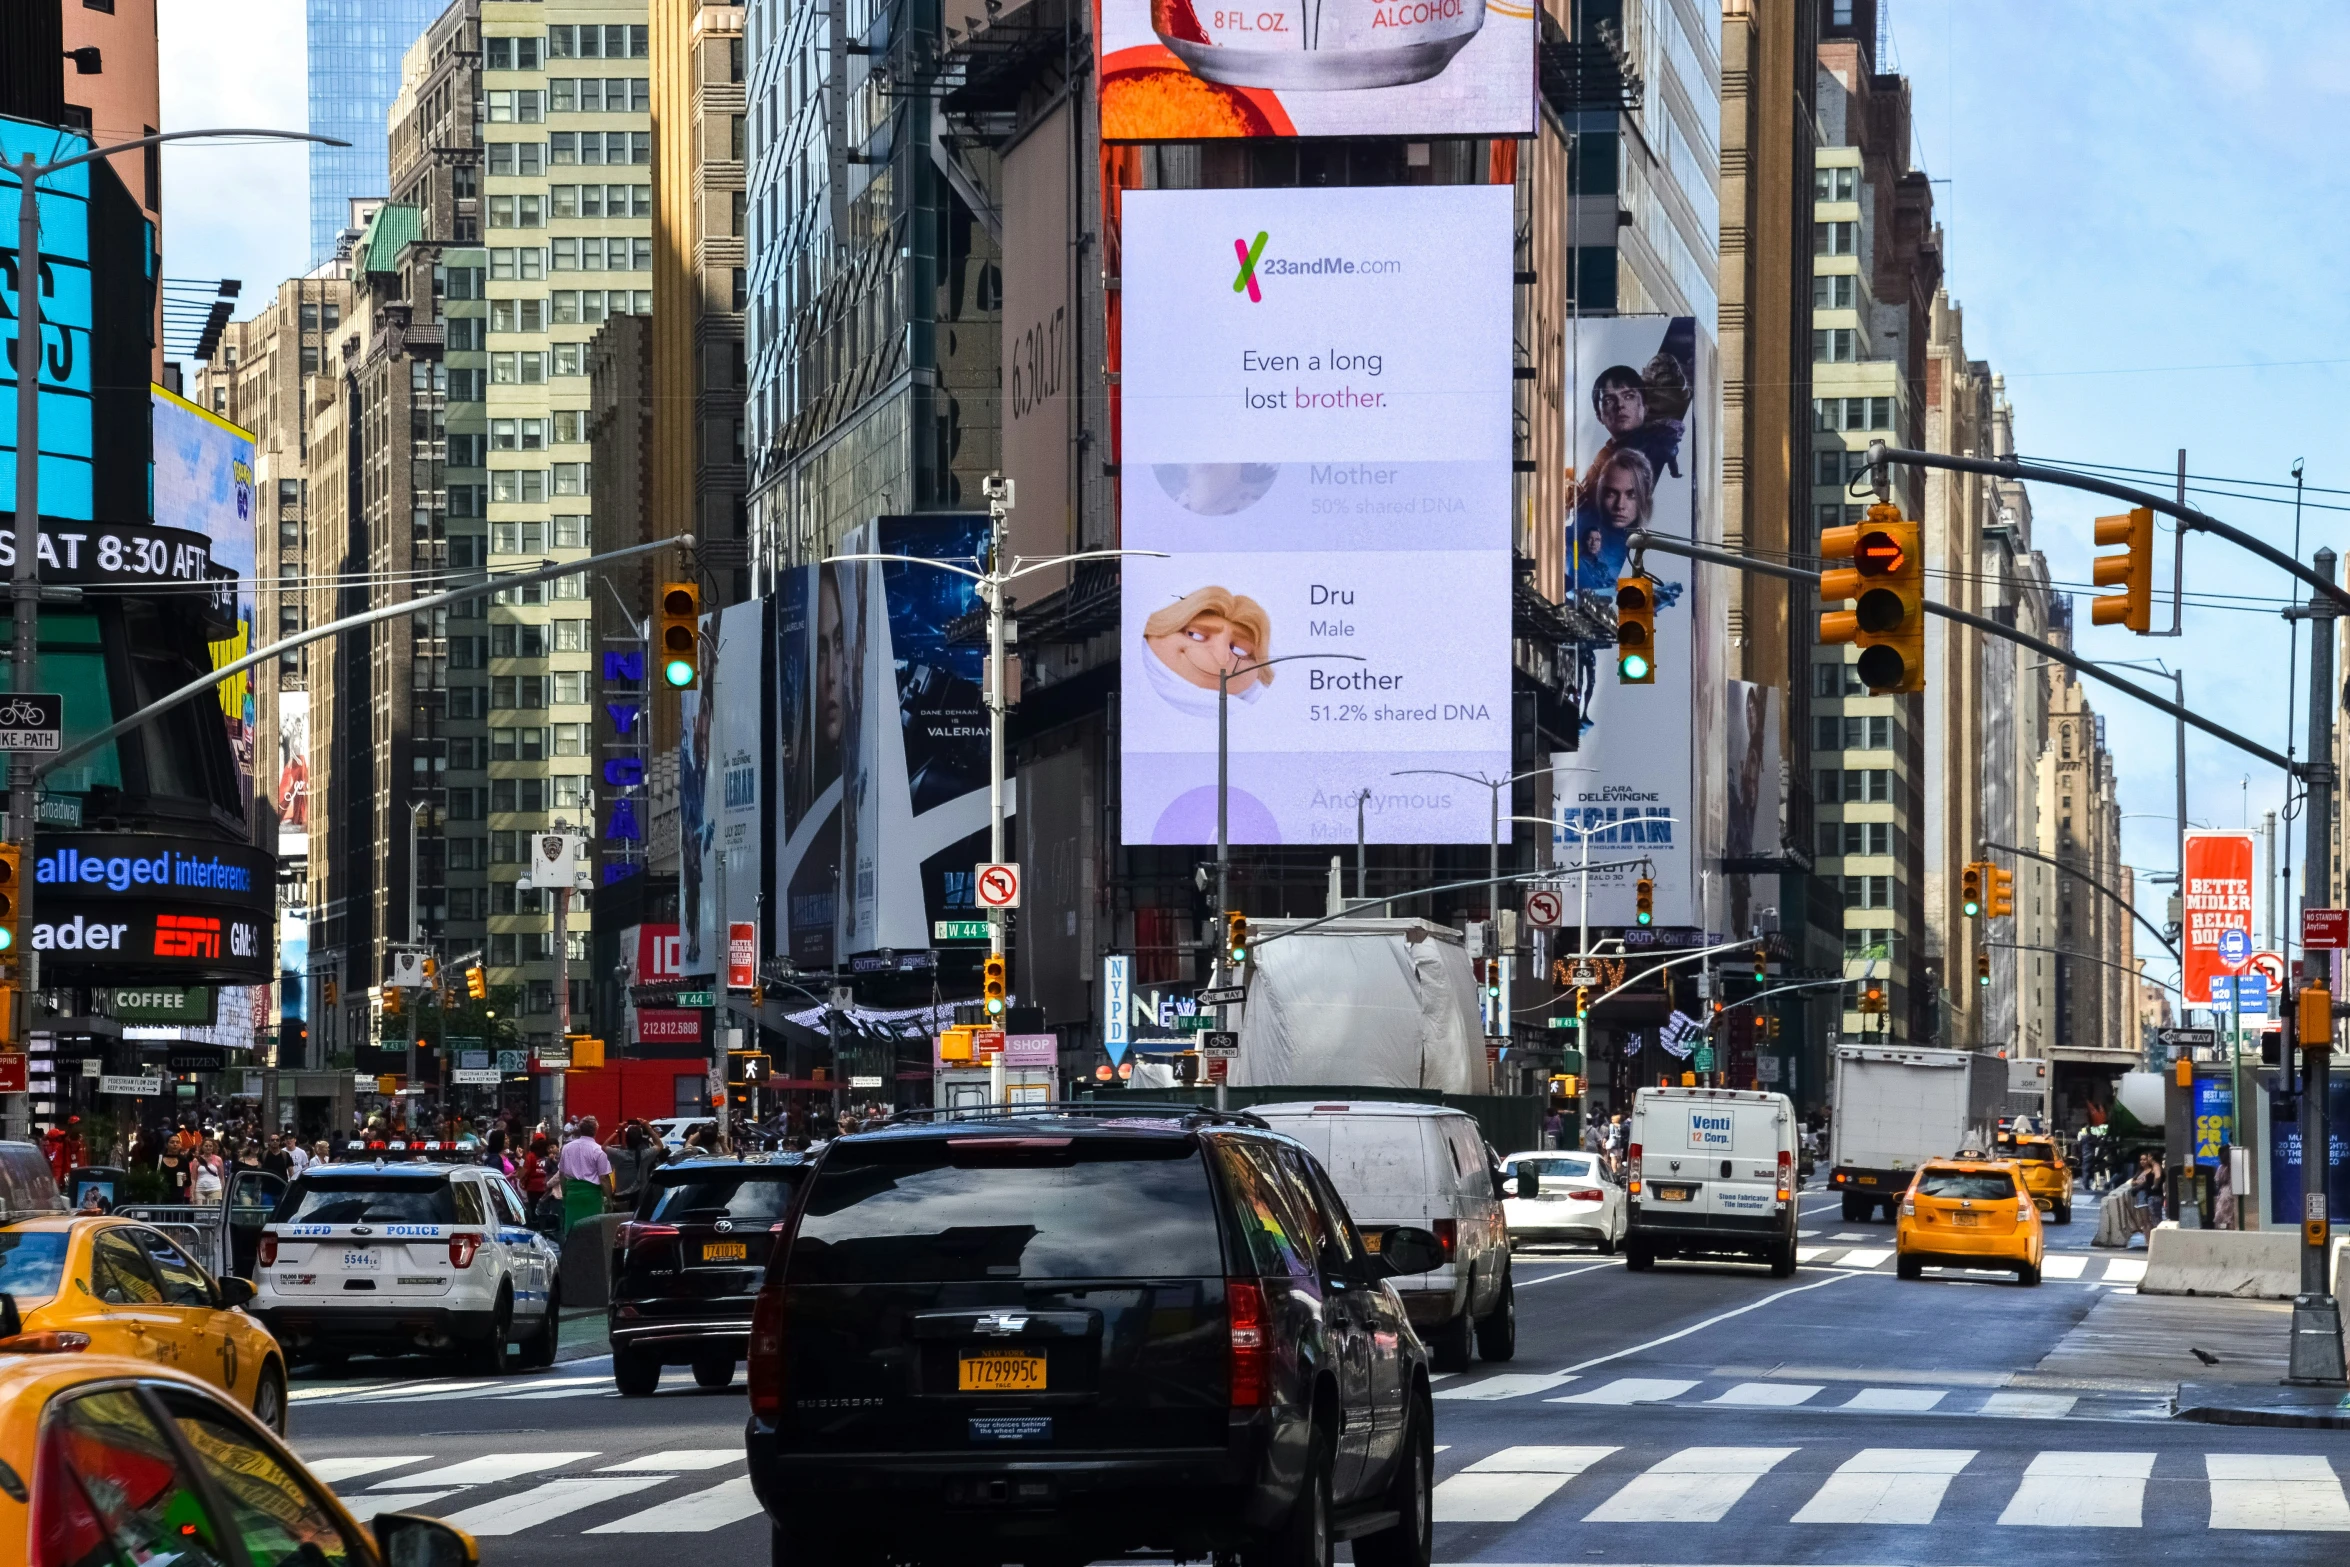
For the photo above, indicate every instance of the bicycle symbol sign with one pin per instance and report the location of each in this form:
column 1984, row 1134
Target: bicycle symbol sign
column 34, row 721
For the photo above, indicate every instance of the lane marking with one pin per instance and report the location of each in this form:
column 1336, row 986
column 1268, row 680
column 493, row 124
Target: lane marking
column 1513, row 1384
column 1694, row 1485
column 678, row 1460
column 698, row 1513
column 1630, row 1390
column 2029, row 1406
column 1768, row 1395
column 2055, row 1265
column 488, row 1469
column 2275, row 1491
column 2082, row 1491
column 1886, row 1485
column 1908, row 1400
column 1700, row 1327
column 2124, row 1270
column 334, row 1471
column 1863, row 1257
column 1504, row 1487
column 1615, row 1262
column 543, row 1504
column 365, row 1506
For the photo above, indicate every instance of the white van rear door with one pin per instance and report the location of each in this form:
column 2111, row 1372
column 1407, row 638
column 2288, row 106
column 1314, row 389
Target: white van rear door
column 1750, row 1189
column 1381, row 1167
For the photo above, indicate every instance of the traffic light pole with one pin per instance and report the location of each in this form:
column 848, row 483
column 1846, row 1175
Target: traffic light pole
column 2316, row 1356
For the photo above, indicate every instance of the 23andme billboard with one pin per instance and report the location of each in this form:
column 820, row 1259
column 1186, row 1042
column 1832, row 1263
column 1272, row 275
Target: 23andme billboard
column 1316, row 393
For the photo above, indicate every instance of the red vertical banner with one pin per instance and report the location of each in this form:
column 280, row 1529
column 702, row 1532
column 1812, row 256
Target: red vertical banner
column 742, row 955
column 2217, row 899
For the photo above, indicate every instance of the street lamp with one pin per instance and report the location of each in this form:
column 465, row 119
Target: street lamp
column 1495, row 787
column 24, row 583
column 1583, row 920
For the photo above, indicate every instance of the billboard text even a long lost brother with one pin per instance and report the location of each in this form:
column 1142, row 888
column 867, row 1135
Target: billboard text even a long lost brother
column 1317, row 434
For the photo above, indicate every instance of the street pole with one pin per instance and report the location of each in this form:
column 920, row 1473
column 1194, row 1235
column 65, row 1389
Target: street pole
column 991, row 587
column 2316, row 1355
column 24, row 594
column 1361, row 862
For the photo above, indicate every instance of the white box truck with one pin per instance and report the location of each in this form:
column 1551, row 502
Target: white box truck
column 1895, row 1106
column 1710, row 1172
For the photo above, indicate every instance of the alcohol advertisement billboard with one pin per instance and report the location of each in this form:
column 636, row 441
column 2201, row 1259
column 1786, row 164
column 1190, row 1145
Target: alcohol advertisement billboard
column 204, row 483
column 880, row 805
column 1645, row 786
column 2218, row 899
column 1198, row 70
column 720, row 735
column 1316, row 392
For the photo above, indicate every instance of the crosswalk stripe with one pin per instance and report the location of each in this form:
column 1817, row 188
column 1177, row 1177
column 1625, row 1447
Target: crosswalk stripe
column 2029, row 1406
column 2125, row 1270
column 1510, row 1384
column 391, row 1391
column 545, row 1503
column 367, row 1504
column 1630, row 1390
column 334, row 1471
column 1886, row 1485
column 2062, row 1265
column 1896, row 1399
column 1767, row 1395
column 1863, row 1257
column 698, row 1513
column 1504, row 1487
column 603, row 1389
column 2275, row 1491
column 488, row 1469
column 677, row 1459
column 1694, row 1485
column 2081, row 1491
column 307, row 1395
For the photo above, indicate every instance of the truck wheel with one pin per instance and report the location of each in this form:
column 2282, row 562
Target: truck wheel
column 1497, row 1335
column 2064, row 1213
column 1854, row 1209
column 635, row 1373
column 1451, row 1346
column 1637, row 1257
column 1782, row 1260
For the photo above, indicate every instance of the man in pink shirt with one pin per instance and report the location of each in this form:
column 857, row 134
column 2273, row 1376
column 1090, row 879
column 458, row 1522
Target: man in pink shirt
column 587, row 1174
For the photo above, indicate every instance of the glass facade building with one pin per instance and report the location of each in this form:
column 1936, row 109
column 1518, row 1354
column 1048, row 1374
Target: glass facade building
column 354, row 55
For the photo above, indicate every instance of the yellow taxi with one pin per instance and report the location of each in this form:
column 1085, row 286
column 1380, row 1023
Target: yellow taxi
column 107, row 1459
column 2048, row 1176
column 1969, row 1213
column 108, row 1286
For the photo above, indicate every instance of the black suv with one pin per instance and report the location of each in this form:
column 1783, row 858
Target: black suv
column 686, row 1266
column 1060, row 1335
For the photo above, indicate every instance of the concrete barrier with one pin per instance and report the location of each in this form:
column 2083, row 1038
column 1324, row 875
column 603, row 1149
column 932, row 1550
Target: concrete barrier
column 587, row 1260
column 2247, row 1264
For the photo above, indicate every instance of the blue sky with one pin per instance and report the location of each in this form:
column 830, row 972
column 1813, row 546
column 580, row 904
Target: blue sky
column 2132, row 222
column 2136, row 214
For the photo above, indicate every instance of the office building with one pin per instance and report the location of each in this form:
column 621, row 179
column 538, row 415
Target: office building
column 354, row 49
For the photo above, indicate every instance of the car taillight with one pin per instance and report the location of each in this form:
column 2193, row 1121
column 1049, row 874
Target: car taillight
column 1632, row 1168
column 1786, row 1175
column 765, row 1370
column 51, row 1343
column 1448, row 1235
column 632, row 1232
column 462, row 1246
column 1909, row 1205
column 268, row 1251
column 1244, row 1303
column 1587, row 1194
column 2024, row 1209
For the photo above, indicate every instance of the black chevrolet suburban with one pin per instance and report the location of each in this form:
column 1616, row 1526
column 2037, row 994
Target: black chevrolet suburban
column 1062, row 1334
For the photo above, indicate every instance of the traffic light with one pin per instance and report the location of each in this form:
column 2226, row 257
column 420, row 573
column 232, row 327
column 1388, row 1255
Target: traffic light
column 1635, row 631
column 1884, row 576
column 477, row 983
column 1999, row 901
column 1582, row 1002
column 679, row 634
column 1970, row 888
column 432, row 966
column 1644, row 901
column 2316, row 1018
column 333, row 991
column 991, row 984
column 2132, row 572
column 1236, row 936
column 1762, row 964
column 11, row 858
column 1982, row 968
column 1493, row 978
column 391, row 995
column 1872, row 996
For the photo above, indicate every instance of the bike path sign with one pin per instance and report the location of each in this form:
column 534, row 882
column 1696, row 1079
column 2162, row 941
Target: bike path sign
column 32, row 722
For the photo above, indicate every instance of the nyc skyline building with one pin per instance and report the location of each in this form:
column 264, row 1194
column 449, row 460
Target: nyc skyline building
column 354, row 49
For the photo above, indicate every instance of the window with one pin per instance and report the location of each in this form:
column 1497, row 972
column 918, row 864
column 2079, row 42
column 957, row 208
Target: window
column 1826, row 734
column 1827, row 679
column 501, row 693
column 570, row 426
column 1834, row 184
column 502, row 435
column 571, row 478
column 1839, row 13
column 275, row 1515
column 1830, row 840
column 1833, row 291
column 1852, row 413
column 568, row 692
column 530, row 212
column 502, row 947
column 184, row 1284
column 1868, row 838
column 502, row 265
column 1827, row 239
column 502, row 215
column 113, row 1482
column 571, row 636
column 570, row 791
column 1868, row 892
column 120, row 1274
column 1835, row 345
column 573, row 587
column 567, row 357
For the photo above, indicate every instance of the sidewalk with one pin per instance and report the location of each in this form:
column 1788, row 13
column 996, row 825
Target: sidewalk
column 587, row 1333
column 2151, row 1340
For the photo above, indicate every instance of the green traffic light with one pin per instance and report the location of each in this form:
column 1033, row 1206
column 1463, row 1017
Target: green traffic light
column 995, row 1006
column 1983, row 980
column 1972, row 908
column 678, row 672
column 1240, row 954
column 1644, row 917
column 1633, row 666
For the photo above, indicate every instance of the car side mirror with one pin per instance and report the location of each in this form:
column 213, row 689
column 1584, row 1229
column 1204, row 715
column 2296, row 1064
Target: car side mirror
column 235, row 1292
column 11, row 1320
column 1500, row 1186
column 1403, row 1251
column 1529, row 1181
column 413, row 1540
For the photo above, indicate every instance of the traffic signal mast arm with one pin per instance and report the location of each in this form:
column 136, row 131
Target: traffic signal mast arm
column 1644, row 539
column 1548, row 873
column 2087, row 957
column 2080, row 876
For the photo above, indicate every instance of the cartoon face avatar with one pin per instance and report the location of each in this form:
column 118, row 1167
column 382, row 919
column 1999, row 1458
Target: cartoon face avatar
column 1210, row 631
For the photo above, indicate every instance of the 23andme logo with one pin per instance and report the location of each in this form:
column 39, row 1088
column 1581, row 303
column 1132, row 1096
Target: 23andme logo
column 1249, row 255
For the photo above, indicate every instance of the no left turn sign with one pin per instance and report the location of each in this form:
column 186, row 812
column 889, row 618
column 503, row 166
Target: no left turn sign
column 1545, row 908
column 998, row 886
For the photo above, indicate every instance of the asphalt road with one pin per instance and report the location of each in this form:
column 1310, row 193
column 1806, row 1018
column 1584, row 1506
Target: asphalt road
column 1690, row 1415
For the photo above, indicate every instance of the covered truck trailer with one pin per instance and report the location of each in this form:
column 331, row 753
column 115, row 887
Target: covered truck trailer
column 1895, row 1107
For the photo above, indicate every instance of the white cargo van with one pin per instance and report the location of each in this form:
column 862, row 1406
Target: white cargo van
column 1395, row 1162
column 1710, row 1172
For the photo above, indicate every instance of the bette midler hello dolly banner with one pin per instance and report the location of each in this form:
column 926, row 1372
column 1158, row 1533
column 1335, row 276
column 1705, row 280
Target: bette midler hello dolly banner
column 1317, row 421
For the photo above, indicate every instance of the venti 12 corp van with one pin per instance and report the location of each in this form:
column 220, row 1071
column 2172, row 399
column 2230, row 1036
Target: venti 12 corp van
column 1710, row 1172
